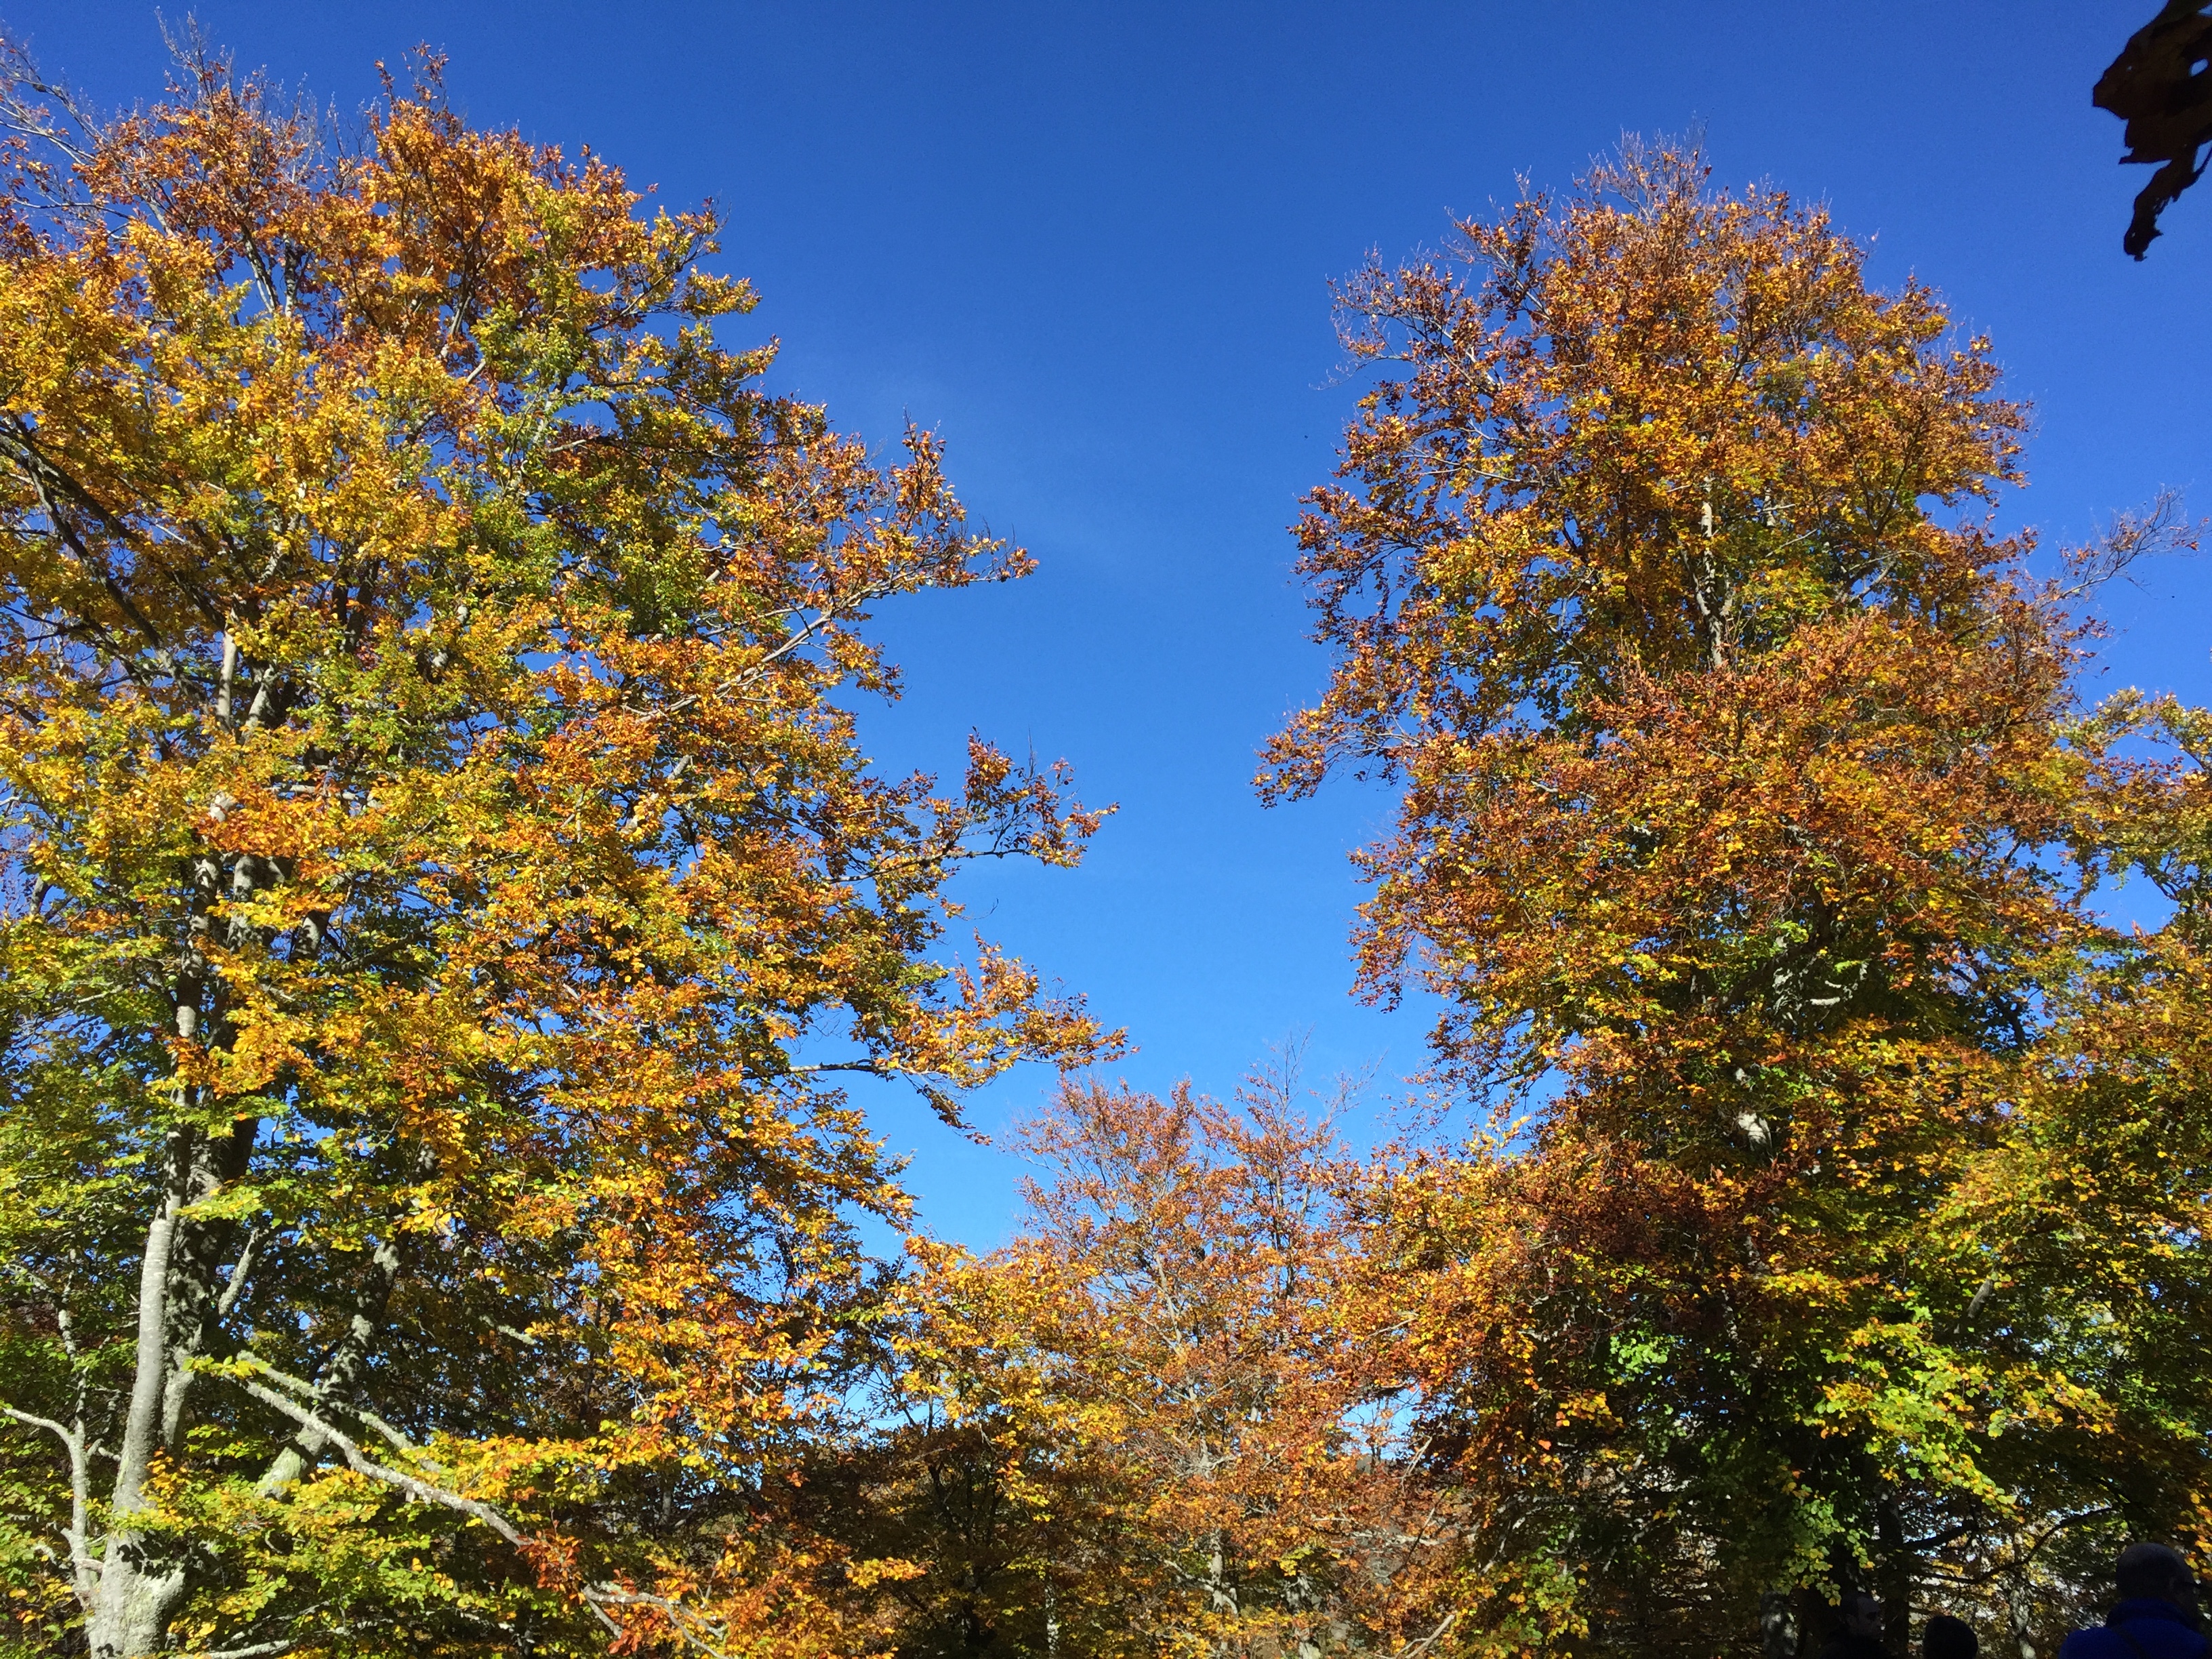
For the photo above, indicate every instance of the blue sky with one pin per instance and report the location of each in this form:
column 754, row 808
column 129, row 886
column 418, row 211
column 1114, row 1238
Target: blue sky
column 1090, row 245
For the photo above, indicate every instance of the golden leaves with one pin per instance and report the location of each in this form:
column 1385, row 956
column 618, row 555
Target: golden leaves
column 1737, row 792
column 422, row 687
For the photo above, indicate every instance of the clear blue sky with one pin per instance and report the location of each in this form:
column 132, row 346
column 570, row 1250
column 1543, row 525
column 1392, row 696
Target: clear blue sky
column 1091, row 245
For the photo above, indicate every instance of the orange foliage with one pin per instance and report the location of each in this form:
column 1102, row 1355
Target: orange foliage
column 1738, row 784
column 434, row 824
column 1188, row 1440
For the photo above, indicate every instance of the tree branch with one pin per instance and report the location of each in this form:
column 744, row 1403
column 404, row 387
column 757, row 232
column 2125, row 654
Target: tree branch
column 688, row 1625
column 694, row 1629
column 362, row 1463
column 236, row 1287
column 83, row 1569
column 302, row 1386
column 341, row 1371
column 142, row 1425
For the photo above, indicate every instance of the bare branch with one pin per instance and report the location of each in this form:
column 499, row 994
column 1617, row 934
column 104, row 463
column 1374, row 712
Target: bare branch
column 21, row 83
column 31, row 1420
column 695, row 1630
column 873, row 1068
column 2133, row 534
column 236, row 1287
column 308, row 1390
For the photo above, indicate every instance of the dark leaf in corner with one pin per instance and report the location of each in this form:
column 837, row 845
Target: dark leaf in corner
column 2158, row 86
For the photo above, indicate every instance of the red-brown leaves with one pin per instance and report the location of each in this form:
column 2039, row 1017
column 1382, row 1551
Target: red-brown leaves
column 1736, row 787
column 1175, row 1379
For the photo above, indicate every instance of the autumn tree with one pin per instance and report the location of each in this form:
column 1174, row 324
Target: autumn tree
column 2093, row 1217
column 1737, row 797
column 444, row 885
column 1188, row 1433
column 980, row 1475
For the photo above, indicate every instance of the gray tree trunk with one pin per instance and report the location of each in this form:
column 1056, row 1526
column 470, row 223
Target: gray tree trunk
column 135, row 1593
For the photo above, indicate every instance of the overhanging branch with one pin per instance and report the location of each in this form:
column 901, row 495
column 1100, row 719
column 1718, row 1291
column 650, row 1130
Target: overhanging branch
column 694, row 1629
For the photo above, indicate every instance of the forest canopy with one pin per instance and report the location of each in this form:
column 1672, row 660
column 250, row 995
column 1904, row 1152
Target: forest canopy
column 446, row 887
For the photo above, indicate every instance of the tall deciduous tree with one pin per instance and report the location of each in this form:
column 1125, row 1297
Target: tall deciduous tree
column 434, row 824
column 1736, row 797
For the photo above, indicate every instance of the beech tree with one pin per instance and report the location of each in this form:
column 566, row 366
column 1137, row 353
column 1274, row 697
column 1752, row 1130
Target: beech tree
column 434, row 822
column 981, row 1475
column 1744, row 822
column 1181, row 1430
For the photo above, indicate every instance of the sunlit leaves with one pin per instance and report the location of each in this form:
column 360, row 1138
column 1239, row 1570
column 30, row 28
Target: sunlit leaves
column 446, row 883
column 1740, row 782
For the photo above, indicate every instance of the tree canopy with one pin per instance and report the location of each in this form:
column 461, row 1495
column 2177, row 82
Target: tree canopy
column 444, row 885
column 1843, row 1189
column 443, row 889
